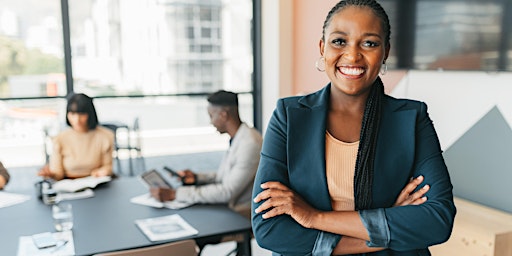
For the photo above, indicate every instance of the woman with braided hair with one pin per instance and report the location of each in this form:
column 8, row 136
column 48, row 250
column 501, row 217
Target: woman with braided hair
column 348, row 170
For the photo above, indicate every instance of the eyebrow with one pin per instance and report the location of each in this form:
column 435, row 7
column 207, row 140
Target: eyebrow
column 365, row 34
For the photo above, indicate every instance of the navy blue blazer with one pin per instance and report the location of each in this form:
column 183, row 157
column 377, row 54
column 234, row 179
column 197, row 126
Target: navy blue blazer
column 293, row 153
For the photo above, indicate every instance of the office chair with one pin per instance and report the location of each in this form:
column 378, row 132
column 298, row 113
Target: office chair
column 180, row 248
column 125, row 143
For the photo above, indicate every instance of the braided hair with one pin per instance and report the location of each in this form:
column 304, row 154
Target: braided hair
column 371, row 118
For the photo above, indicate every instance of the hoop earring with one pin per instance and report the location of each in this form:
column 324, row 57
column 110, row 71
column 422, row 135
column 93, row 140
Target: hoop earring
column 320, row 64
column 383, row 68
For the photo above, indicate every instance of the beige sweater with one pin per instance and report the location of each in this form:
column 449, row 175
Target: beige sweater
column 76, row 154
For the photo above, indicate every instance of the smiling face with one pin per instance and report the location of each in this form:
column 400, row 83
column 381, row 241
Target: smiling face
column 354, row 49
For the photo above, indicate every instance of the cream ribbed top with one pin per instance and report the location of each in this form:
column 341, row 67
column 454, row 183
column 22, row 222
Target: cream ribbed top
column 340, row 162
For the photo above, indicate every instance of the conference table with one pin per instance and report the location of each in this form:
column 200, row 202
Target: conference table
column 105, row 222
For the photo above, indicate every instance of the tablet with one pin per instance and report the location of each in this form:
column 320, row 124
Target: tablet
column 152, row 178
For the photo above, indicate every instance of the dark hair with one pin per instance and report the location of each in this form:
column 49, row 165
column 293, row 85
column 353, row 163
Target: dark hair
column 223, row 98
column 81, row 103
column 372, row 4
column 363, row 178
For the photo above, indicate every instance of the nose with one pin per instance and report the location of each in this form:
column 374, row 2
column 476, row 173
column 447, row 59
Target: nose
column 352, row 53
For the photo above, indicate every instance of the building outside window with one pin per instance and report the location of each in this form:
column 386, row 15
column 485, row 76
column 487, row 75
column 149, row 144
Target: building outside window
column 155, row 60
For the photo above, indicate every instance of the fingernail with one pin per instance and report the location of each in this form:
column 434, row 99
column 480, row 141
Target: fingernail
column 425, row 187
column 420, row 177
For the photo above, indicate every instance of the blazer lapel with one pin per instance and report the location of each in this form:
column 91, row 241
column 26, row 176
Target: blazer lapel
column 306, row 148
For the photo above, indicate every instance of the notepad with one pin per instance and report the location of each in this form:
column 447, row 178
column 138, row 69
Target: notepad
column 73, row 185
column 165, row 227
column 65, row 245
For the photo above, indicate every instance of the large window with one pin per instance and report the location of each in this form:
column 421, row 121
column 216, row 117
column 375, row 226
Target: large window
column 31, row 53
column 160, row 47
column 155, row 60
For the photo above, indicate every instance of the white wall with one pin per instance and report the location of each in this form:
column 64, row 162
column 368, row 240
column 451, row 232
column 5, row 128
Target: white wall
column 457, row 99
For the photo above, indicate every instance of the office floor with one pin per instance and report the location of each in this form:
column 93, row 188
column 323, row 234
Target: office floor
column 25, row 177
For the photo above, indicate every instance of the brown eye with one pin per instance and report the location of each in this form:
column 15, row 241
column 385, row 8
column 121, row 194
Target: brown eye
column 338, row 41
column 370, row 44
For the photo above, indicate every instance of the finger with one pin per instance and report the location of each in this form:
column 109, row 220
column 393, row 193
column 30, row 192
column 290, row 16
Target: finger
column 419, row 201
column 274, row 184
column 274, row 212
column 272, row 193
column 264, row 195
column 419, row 194
column 264, row 206
column 411, row 186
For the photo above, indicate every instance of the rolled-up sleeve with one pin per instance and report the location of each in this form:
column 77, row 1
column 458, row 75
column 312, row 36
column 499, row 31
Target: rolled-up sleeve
column 325, row 243
column 375, row 223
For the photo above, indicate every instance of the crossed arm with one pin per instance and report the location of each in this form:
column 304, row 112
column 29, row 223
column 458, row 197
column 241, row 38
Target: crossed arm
column 279, row 199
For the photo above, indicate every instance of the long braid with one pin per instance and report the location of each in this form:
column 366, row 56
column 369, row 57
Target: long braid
column 371, row 118
column 366, row 153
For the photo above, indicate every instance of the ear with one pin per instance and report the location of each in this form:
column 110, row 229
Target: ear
column 223, row 112
column 386, row 55
column 321, row 45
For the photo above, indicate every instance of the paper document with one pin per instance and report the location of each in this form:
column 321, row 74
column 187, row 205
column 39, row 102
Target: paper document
column 73, row 185
column 148, row 200
column 64, row 247
column 63, row 196
column 165, row 227
column 8, row 199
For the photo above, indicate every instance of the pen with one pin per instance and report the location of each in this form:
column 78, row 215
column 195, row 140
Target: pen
column 172, row 172
column 59, row 246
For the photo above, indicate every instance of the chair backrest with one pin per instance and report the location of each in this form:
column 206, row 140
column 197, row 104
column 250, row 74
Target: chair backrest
column 180, row 248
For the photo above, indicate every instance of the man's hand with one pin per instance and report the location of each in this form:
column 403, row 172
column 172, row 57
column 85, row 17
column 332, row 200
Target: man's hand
column 163, row 194
column 188, row 177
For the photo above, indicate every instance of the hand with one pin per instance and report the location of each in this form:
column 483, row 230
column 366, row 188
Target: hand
column 279, row 200
column 45, row 171
column 416, row 198
column 99, row 173
column 163, row 194
column 188, row 177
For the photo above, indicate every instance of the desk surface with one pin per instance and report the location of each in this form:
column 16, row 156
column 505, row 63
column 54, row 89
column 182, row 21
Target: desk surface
column 105, row 222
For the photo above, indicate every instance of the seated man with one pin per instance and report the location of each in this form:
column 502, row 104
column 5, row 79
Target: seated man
column 4, row 176
column 232, row 183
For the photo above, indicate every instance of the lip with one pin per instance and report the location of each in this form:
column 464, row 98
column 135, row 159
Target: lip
column 351, row 71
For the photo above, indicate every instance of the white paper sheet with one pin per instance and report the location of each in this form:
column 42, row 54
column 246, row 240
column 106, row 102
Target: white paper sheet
column 147, row 200
column 165, row 227
column 8, row 199
column 63, row 196
column 26, row 246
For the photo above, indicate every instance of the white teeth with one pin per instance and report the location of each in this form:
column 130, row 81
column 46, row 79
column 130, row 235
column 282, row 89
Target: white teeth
column 351, row 71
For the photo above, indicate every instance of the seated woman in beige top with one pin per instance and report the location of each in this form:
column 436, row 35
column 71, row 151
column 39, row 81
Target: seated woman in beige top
column 83, row 150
